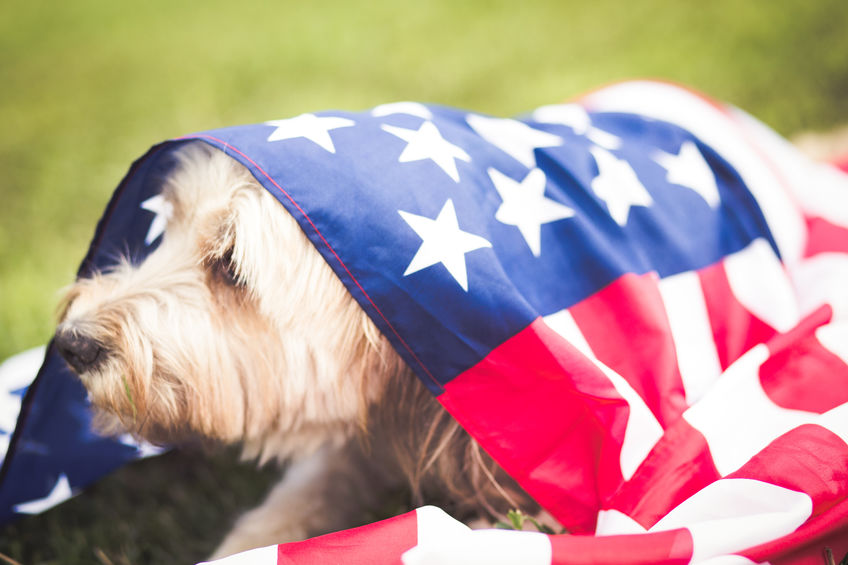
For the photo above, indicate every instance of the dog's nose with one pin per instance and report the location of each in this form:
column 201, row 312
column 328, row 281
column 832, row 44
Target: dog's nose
column 82, row 352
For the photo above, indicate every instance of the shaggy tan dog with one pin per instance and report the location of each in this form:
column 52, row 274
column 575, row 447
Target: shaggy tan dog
column 224, row 333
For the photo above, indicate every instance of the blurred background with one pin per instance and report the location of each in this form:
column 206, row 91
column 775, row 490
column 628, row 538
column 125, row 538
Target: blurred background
column 87, row 86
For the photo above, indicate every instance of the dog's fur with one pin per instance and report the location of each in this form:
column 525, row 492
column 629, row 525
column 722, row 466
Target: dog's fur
column 236, row 329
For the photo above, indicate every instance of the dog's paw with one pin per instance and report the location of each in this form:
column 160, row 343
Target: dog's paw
column 252, row 534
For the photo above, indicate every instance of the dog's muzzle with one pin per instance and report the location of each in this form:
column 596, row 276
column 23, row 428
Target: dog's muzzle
column 83, row 353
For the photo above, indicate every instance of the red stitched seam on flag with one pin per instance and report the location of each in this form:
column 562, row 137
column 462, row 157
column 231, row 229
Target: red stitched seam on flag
column 326, row 243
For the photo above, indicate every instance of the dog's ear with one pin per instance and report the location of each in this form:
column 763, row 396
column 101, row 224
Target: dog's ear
column 218, row 254
column 223, row 268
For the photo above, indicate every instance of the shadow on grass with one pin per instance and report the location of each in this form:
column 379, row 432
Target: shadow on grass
column 170, row 509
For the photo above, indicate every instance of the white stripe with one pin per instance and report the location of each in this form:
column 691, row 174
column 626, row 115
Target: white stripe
column 759, row 281
column 716, row 129
column 484, row 547
column 411, row 108
column 835, row 420
column 435, row 526
column 734, row 514
column 614, row 522
column 691, row 330
column 825, row 193
column 643, row 430
column 821, row 189
column 822, row 279
column 16, row 372
column 563, row 323
column 19, row 370
column 738, row 419
column 834, row 338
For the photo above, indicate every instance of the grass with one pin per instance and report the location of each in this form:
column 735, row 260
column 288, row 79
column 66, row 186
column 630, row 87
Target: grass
column 87, row 86
column 172, row 509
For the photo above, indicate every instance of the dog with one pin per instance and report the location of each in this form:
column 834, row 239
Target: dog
column 185, row 344
column 223, row 333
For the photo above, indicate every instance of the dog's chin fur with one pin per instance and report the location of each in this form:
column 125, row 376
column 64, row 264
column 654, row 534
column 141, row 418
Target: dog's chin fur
column 235, row 329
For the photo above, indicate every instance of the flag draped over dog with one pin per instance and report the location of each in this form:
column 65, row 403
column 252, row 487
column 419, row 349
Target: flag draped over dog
column 636, row 303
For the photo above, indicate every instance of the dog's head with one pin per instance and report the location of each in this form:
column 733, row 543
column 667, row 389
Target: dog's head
column 233, row 328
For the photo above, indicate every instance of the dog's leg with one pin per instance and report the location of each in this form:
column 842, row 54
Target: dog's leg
column 327, row 491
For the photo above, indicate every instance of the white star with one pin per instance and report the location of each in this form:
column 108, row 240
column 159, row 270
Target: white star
column 163, row 210
column 427, row 143
column 442, row 242
column 143, row 448
column 689, row 168
column 513, row 137
column 526, row 207
column 411, row 108
column 577, row 118
column 60, row 493
column 310, row 126
column 618, row 185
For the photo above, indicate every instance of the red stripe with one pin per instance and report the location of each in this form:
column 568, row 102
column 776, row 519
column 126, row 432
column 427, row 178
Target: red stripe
column 627, row 329
column 550, row 417
column 824, row 237
column 673, row 547
column 809, row 459
column 380, row 543
column 800, row 373
column 677, row 467
column 813, row 553
column 735, row 329
column 841, row 162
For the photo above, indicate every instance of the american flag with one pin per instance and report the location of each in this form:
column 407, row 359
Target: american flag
column 634, row 302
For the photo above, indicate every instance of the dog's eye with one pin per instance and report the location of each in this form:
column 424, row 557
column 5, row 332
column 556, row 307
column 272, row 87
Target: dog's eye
column 225, row 269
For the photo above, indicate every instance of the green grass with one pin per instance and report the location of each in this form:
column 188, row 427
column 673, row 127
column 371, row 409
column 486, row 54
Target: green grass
column 86, row 86
column 172, row 509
